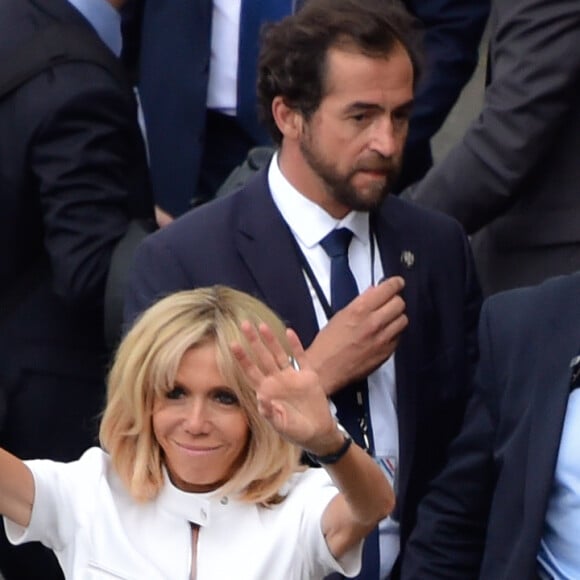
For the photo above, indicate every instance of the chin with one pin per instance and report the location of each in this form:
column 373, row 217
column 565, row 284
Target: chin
column 369, row 201
column 196, row 485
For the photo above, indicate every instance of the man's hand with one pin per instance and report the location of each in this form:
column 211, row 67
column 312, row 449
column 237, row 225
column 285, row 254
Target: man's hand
column 162, row 217
column 360, row 337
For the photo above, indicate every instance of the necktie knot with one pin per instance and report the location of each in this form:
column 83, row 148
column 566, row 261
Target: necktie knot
column 336, row 243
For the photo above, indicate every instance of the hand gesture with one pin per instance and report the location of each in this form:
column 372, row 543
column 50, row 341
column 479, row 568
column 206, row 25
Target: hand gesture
column 361, row 336
column 291, row 400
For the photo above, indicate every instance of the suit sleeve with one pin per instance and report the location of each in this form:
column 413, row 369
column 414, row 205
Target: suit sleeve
column 155, row 273
column 472, row 307
column 82, row 159
column 452, row 31
column 174, row 72
column 449, row 536
column 534, row 83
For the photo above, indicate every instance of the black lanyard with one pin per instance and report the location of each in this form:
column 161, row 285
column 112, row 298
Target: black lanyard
column 328, row 310
column 361, row 387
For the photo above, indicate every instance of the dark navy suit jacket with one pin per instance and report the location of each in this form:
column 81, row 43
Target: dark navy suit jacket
column 174, row 72
column 242, row 241
column 73, row 172
column 485, row 514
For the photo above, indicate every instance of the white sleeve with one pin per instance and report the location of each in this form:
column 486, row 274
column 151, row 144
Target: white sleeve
column 317, row 490
column 60, row 499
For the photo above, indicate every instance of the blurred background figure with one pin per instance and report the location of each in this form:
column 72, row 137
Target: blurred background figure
column 197, row 63
column 73, row 174
column 507, row 505
column 512, row 181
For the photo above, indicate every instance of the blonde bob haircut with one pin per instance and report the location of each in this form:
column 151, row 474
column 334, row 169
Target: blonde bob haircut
column 144, row 369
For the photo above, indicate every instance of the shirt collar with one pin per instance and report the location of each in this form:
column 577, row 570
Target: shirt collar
column 104, row 19
column 195, row 507
column 307, row 220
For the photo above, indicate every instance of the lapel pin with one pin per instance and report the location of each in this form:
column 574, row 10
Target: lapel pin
column 407, row 259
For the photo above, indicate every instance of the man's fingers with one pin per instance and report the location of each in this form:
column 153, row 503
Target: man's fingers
column 396, row 327
column 376, row 296
column 391, row 310
column 388, row 288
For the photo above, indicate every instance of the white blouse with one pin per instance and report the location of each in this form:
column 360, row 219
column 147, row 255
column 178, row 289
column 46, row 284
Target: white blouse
column 83, row 512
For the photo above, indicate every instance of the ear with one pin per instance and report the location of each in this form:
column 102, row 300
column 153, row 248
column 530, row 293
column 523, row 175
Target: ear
column 289, row 121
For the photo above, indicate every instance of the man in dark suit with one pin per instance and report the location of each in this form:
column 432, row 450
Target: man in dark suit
column 512, row 180
column 193, row 146
column 72, row 175
column 507, row 505
column 339, row 110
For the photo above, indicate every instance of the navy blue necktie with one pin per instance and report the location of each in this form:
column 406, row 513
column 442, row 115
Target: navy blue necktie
column 343, row 286
column 343, row 290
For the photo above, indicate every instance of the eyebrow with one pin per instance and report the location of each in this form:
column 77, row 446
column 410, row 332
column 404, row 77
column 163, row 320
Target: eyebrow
column 361, row 106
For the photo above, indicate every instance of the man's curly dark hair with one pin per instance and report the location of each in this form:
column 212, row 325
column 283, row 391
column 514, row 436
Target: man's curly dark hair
column 293, row 51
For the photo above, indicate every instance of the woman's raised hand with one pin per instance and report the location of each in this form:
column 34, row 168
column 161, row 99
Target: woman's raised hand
column 289, row 396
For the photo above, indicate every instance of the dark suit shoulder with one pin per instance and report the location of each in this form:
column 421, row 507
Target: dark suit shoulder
column 522, row 328
column 204, row 223
column 433, row 233
column 553, row 298
column 19, row 21
column 215, row 223
column 409, row 210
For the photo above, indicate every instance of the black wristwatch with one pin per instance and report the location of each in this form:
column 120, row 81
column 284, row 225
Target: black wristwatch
column 333, row 458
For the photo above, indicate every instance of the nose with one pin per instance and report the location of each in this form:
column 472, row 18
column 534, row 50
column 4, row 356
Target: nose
column 384, row 139
column 197, row 418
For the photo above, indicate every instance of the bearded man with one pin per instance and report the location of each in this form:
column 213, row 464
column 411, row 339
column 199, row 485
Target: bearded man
column 335, row 88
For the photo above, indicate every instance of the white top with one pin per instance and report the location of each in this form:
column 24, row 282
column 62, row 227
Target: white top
column 309, row 224
column 83, row 513
column 222, row 87
column 559, row 552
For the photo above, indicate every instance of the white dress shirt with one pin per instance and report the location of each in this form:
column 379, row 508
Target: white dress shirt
column 222, row 87
column 559, row 552
column 309, row 224
column 83, row 512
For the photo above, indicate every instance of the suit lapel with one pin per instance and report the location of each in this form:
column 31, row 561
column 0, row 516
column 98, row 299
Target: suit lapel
column 393, row 240
column 266, row 247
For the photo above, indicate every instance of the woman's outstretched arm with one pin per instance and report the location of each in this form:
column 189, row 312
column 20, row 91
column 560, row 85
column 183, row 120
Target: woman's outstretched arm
column 16, row 489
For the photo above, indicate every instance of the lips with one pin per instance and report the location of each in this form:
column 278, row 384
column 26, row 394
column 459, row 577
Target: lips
column 197, row 449
column 375, row 172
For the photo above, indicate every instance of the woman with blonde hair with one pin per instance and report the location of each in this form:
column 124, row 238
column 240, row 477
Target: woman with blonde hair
column 198, row 473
